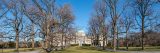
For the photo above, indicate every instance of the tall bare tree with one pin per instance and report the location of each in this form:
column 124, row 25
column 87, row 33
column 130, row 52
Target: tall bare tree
column 114, row 14
column 29, row 11
column 112, row 4
column 16, row 21
column 93, row 31
column 25, row 35
column 66, row 19
column 143, row 9
column 46, row 13
column 97, row 28
column 100, row 9
column 127, row 22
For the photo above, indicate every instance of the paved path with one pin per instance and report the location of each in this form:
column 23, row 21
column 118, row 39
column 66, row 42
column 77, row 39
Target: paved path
column 145, row 52
column 135, row 51
column 37, row 51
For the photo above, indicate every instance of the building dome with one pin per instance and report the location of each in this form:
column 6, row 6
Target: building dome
column 81, row 33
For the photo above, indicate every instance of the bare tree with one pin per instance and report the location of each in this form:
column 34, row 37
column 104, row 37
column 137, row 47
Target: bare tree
column 112, row 6
column 29, row 11
column 45, row 13
column 100, row 9
column 127, row 23
column 26, row 34
column 93, row 31
column 66, row 19
column 114, row 14
column 16, row 21
column 143, row 9
column 97, row 28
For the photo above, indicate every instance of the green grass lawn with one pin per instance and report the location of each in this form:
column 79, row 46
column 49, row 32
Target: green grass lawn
column 153, row 48
column 86, row 49
column 20, row 49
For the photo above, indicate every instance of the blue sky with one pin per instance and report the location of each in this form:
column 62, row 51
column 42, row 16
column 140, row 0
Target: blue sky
column 81, row 9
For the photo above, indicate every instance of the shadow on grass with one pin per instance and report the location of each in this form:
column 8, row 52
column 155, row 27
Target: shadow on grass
column 92, row 48
column 86, row 48
column 131, row 49
column 21, row 50
column 140, row 49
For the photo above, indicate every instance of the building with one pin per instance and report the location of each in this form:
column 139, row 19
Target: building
column 81, row 38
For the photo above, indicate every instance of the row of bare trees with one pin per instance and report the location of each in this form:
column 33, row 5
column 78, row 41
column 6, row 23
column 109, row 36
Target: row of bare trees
column 29, row 19
column 97, row 24
column 122, row 18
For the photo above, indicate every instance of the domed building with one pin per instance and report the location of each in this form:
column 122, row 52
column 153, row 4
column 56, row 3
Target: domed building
column 81, row 38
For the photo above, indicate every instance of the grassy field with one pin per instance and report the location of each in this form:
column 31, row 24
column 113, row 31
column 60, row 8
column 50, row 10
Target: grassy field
column 86, row 49
column 154, row 48
column 13, row 50
column 77, row 49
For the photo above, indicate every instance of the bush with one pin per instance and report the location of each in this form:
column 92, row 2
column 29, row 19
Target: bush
column 86, row 44
column 74, row 44
column 12, row 44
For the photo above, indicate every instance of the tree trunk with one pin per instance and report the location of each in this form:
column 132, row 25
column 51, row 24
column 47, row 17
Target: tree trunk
column 17, row 40
column 47, row 35
column 114, row 42
column 106, row 41
column 46, row 42
column 103, row 42
column 114, row 36
column 117, row 39
column 25, row 43
column 97, row 40
column 127, row 40
column 142, row 32
column 75, row 39
column 32, row 36
column 62, row 42
column 65, row 41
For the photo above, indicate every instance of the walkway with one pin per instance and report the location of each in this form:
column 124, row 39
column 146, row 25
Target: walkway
column 37, row 51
